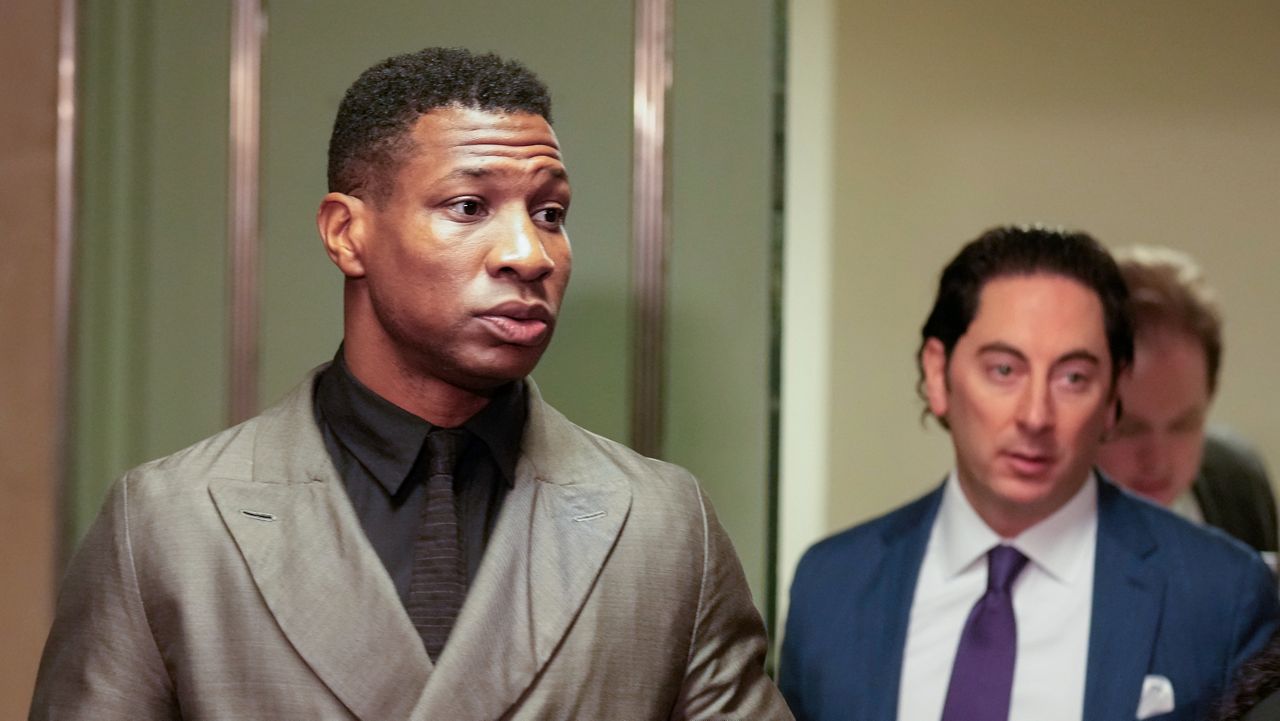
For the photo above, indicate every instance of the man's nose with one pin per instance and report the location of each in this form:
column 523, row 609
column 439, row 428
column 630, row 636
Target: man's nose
column 519, row 249
column 1035, row 409
column 1151, row 452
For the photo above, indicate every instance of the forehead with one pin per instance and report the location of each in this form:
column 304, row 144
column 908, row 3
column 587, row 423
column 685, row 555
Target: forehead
column 1169, row 361
column 453, row 135
column 1159, row 339
column 1046, row 312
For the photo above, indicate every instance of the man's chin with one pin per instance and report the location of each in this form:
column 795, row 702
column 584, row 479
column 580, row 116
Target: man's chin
column 495, row 372
column 1038, row 493
column 1160, row 493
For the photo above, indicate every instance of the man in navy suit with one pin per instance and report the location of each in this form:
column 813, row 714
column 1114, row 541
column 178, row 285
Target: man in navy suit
column 1026, row 587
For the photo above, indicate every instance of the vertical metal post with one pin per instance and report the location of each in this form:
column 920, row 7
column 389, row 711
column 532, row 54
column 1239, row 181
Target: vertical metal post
column 248, row 25
column 64, row 272
column 650, row 224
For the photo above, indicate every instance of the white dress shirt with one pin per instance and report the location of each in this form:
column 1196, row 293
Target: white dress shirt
column 1188, row 507
column 1052, row 601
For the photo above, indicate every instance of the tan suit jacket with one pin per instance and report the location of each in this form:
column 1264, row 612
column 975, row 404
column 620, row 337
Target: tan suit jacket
column 232, row 580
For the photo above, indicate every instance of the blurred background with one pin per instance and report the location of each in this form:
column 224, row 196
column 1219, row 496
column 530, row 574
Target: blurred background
column 824, row 159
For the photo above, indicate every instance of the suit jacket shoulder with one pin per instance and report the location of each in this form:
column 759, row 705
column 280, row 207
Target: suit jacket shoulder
column 672, row 539
column 145, row 574
column 847, row 622
column 1171, row 599
column 904, row 521
column 556, row 444
column 1234, row 492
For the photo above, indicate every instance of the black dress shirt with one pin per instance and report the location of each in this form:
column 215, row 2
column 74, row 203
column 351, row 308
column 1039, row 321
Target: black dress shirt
column 375, row 445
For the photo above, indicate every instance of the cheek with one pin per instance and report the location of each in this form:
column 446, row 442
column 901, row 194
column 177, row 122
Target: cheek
column 442, row 270
column 975, row 427
column 986, row 411
column 1118, row 456
column 1187, row 452
column 563, row 262
column 565, row 268
column 558, row 250
column 1091, row 426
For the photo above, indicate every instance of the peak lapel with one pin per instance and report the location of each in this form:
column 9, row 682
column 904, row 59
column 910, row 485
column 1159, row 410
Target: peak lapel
column 315, row 569
column 557, row 528
column 1128, row 596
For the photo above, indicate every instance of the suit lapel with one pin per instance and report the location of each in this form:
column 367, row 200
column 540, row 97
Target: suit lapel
column 315, row 569
column 1128, row 596
column 892, row 591
column 557, row 528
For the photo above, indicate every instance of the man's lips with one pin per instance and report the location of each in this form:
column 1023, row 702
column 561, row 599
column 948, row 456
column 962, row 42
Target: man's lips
column 519, row 323
column 1028, row 463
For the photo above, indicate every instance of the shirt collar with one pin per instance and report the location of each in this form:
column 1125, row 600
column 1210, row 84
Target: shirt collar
column 1188, row 507
column 386, row 438
column 1058, row 544
column 500, row 426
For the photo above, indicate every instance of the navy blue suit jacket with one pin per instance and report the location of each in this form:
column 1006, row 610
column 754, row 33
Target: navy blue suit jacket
column 1169, row 598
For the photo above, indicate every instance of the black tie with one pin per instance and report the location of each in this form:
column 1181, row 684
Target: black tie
column 439, row 582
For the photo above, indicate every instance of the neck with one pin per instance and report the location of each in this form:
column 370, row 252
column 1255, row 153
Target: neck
column 1010, row 518
column 1006, row 524
column 426, row 396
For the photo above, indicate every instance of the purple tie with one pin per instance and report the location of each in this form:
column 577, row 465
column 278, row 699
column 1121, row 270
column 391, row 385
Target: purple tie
column 439, row 583
column 982, row 677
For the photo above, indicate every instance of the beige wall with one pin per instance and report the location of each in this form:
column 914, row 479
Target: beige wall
column 28, row 57
column 1139, row 122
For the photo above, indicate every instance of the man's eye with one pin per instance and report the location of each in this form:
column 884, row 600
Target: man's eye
column 1077, row 380
column 1124, row 429
column 551, row 216
column 1002, row 370
column 467, row 207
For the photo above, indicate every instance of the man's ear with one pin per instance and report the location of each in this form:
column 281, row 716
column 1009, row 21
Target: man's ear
column 933, row 358
column 343, row 224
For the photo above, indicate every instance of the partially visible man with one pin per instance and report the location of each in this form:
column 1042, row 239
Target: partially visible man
column 413, row 533
column 1160, row 447
column 1027, row 587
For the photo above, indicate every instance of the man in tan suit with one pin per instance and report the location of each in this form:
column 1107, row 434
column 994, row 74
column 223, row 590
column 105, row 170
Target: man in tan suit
column 290, row 567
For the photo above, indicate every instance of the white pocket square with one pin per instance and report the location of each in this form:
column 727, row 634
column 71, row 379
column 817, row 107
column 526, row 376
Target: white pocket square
column 1157, row 697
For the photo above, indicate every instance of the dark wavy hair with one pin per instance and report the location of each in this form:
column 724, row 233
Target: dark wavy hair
column 1025, row 250
column 1257, row 678
column 371, row 131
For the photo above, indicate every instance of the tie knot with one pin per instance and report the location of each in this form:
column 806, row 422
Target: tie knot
column 443, row 446
column 1004, row 563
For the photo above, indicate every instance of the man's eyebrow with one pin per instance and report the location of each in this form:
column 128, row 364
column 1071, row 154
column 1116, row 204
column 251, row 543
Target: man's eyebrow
column 474, row 172
column 469, row 173
column 1001, row 347
column 1079, row 355
column 1076, row 355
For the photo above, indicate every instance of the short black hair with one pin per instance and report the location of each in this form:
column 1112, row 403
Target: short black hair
column 370, row 133
column 1027, row 250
